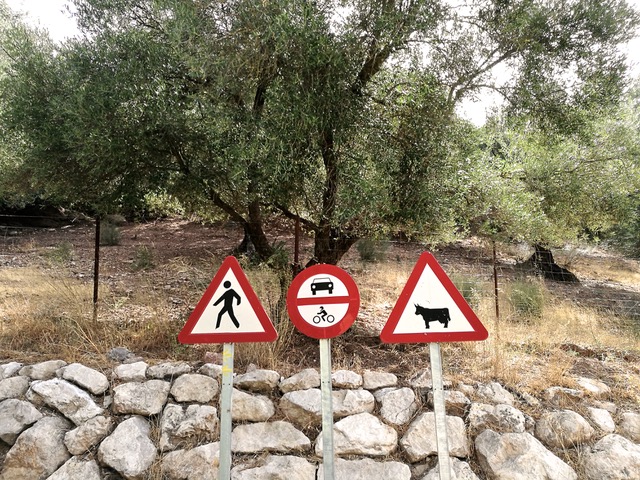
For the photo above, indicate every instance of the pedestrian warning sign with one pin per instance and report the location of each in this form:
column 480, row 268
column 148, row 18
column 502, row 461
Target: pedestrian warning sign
column 431, row 309
column 229, row 311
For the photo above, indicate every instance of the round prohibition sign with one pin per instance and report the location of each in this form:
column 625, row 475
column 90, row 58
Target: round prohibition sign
column 323, row 301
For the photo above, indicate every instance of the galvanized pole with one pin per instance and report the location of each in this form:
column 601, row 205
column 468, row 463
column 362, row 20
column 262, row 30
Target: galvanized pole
column 327, row 409
column 224, row 472
column 444, row 462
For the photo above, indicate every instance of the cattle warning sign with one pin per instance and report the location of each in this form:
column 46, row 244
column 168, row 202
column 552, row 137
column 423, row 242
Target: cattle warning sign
column 431, row 309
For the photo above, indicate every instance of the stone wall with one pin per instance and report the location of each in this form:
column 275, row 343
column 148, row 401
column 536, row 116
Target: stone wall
column 140, row 421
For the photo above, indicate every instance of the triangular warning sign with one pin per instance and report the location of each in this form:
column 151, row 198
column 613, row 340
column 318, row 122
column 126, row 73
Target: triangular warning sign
column 431, row 309
column 228, row 312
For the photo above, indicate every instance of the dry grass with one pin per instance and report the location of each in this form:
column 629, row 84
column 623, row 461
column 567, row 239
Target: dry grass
column 46, row 311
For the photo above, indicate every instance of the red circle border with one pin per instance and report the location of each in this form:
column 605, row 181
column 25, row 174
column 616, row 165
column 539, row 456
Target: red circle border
column 340, row 326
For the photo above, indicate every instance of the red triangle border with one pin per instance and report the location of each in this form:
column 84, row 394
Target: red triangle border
column 269, row 335
column 388, row 336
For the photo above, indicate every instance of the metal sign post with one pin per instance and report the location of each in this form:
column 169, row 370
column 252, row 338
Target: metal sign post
column 224, row 472
column 323, row 302
column 327, row 409
column 444, row 462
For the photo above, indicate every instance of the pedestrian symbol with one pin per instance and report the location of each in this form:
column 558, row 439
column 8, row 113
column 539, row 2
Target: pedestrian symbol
column 227, row 297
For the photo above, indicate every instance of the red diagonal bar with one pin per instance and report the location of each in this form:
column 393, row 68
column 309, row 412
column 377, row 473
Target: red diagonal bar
column 323, row 300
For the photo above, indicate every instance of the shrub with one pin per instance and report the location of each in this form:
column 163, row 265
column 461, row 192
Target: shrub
column 527, row 298
column 371, row 250
column 469, row 287
column 109, row 234
column 61, row 253
column 143, row 258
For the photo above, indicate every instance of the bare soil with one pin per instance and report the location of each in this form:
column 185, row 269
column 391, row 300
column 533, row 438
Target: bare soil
column 179, row 247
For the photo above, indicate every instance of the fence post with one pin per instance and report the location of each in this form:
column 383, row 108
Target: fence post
column 96, row 269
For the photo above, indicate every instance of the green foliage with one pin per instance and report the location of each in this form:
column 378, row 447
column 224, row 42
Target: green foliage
column 61, row 254
column 345, row 122
column 143, row 258
column 109, row 234
column 471, row 288
column 527, row 299
column 371, row 250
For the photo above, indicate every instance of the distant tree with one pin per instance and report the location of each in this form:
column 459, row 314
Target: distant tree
column 547, row 188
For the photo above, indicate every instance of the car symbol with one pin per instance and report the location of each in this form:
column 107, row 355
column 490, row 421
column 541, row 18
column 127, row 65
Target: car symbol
column 322, row 283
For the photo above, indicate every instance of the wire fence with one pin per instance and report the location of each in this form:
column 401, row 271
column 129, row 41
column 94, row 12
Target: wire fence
column 501, row 283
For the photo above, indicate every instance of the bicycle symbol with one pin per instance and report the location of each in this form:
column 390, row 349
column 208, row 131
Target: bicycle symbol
column 323, row 315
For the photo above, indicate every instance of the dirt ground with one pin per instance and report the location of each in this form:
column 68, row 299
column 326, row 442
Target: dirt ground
column 179, row 247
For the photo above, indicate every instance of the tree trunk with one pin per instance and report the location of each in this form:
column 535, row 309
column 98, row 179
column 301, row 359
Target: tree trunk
column 542, row 262
column 331, row 243
column 255, row 241
column 330, row 246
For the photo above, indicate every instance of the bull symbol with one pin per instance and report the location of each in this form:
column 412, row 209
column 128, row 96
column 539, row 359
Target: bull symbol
column 433, row 315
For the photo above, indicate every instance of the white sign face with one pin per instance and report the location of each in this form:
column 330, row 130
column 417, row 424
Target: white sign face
column 323, row 300
column 229, row 310
column 431, row 309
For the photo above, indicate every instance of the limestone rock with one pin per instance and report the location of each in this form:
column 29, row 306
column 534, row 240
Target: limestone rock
column 374, row 380
column 612, row 458
column 129, row 450
column 277, row 468
column 500, row 418
column 459, row 471
column 77, row 469
column 264, row 381
column 73, row 402
column 85, row 377
column 629, row 426
column 212, row 370
column 141, row 398
column 194, row 387
column 303, row 380
column 351, row 402
column 495, row 393
column 361, row 434
column 93, row 431
column 38, row 452
column 168, row 370
column 200, row 463
column 131, row 372
column 43, row 370
column 179, row 424
column 302, row 407
column 275, row 436
column 368, row 469
column 602, row 419
column 251, row 408
column 419, row 441
column 593, row 387
column 455, row 402
column 610, row 407
column 13, row 387
column 9, row 369
column 121, row 355
column 15, row 416
column 346, row 379
column 562, row 396
column 563, row 429
column 519, row 456
column 397, row 405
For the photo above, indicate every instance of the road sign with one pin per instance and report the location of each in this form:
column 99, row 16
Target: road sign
column 431, row 309
column 229, row 311
column 323, row 301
